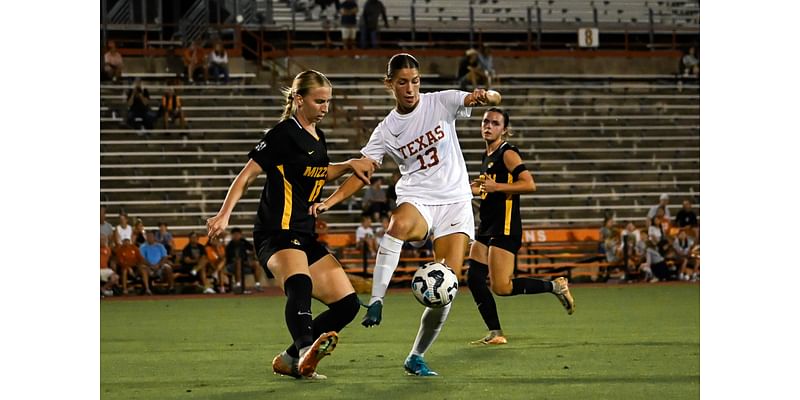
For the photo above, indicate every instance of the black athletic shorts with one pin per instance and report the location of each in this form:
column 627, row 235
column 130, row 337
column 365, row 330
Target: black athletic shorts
column 269, row 243
column 505, row 242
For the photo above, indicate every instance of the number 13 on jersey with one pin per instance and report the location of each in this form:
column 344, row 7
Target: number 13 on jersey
column 434, row 158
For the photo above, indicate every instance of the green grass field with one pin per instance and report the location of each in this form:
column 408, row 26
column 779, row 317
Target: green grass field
column 623, row 342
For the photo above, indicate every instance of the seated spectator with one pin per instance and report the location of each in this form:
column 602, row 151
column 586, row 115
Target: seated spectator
column 164, row 236
column 630, row 253
column 606, row 231
column 470, row 72
column 686, row 217
column 656, row 265
column 138, row 106
column 156, row 263
column 682, row 247
column 375, row 202
column 123, row 230
column 194, row 262
column 106, row 229
column 215, row 253
column 129, row 260
column 240, row 260
column 171, row 109
column 112, row 62
column 663, row 201
column 690, row 65
column 365, row 237
column 108, row 278
column 658, row 232
column 630, row 229
column 218, row 63
column 349, row 21
column 486, row 62
column 194, row 58
column 139, row 236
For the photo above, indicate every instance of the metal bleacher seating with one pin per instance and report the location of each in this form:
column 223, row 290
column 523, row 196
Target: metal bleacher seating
column 594, row 144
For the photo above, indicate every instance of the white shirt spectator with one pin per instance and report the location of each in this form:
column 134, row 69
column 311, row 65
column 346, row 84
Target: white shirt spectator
column 362, row 233
column 124, row 233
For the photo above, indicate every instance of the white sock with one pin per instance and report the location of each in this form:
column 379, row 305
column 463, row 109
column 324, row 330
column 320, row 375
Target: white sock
column 429, row 327
column 385, row 264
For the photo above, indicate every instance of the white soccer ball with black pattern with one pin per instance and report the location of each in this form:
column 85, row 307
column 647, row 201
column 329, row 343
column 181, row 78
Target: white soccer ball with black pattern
column 434, row 284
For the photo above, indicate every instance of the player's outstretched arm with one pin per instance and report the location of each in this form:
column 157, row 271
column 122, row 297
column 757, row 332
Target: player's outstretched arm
column 361, row 167
column 216, row 225
column 482, row 97
column 350, row 186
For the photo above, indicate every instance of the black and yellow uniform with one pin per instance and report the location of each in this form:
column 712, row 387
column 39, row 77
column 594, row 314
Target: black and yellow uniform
column 296, row 165
column 501, row 224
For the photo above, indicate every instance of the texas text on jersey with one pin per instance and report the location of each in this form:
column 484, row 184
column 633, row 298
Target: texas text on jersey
column 296, row 165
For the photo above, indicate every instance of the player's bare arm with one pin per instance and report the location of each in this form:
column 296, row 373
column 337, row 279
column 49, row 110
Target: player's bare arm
column 350, row 187
column 361, row 167
column 482, row 97
column 523, row 184
column 216, row 225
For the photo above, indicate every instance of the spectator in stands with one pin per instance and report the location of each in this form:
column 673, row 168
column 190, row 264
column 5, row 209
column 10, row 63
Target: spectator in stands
column 470, row 71
column 106, row 229
column 663, row 201
column 655, row 265
column 373, row 10
column 112, row 62
column 164, row 236
column 686, row 217
column 171, row 108
column 240, row 260
column 123, row 230
column 658, row 231
column 682, row 246
column 156, row 262
column 630, row 229
column 218, row 63
column 365, row 236
column 606, row 232
column 215, row 253
column 108, row 277
column 324, row 7
column 129, row 260
column 193, row 58
column 194, row 262
column 486, row 62
column 375, row 203
column 349, row 21
column 690, row 64
column 139, row 236
column 138, row 106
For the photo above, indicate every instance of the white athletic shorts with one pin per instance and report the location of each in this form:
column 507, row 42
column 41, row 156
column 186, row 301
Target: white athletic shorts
column 445, row 219
column 105, row 274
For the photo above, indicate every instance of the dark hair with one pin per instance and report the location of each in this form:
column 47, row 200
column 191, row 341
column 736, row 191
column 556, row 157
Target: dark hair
column 153, row 231
column 506, row 120
column 400, row 61
column 236, row 230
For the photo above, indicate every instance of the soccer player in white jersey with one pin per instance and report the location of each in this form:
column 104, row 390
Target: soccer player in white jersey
column 433, row 194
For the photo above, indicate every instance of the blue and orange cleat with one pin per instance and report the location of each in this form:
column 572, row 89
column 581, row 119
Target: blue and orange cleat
column 415, row 365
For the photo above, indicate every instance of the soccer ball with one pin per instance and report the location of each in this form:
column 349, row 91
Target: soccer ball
column 434, row 284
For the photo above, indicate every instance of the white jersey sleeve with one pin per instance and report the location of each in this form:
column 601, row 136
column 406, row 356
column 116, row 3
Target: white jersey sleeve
column 375, row 147
column 454, row 100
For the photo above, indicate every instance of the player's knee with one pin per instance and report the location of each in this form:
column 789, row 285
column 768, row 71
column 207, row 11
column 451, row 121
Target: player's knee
column 502, row 288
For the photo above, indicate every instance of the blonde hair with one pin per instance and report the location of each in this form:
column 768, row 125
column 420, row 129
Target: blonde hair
column 301, row 85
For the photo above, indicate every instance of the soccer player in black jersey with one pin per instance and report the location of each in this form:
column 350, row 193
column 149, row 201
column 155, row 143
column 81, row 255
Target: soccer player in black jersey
column 294, row 156
column 499, row 237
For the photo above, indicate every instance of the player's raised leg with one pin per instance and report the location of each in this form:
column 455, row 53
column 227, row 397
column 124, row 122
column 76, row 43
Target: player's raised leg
column 406, row 224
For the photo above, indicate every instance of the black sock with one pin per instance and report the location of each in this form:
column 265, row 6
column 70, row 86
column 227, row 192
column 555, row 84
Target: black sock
column 530, row 286
column 476, row 278
column 298, row 312
column 337, row 316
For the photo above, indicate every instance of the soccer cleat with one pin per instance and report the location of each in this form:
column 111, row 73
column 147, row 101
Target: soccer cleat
column 561, row 290
column 322, row 347
column 415, row 365
column 284, row 364
column 373, row 316
column 491, row 338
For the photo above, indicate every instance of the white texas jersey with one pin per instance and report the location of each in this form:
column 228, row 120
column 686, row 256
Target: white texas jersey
column 425, row 146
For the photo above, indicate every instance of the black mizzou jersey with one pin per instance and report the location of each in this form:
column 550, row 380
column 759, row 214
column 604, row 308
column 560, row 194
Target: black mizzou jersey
column 499, row 211
column 296, row 165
